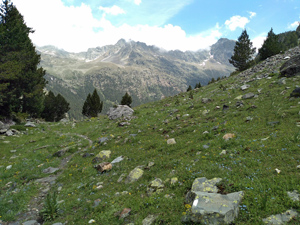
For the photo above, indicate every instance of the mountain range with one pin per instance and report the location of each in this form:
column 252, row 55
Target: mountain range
column 147, row 73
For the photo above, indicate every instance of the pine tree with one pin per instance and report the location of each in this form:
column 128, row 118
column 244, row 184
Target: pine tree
column 189, row 88
column 55, row 107
column 198, row 85
column 243, row 52
column 270, row 47
column 96, row 104
column 126, row 100
column 92, row 105
column 21, row 81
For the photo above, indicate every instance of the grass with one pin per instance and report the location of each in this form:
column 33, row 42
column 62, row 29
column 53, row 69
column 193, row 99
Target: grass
column 269, row 141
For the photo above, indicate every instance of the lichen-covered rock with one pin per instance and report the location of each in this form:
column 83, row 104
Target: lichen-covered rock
column 280, row 219
column 205, row 185
column 294, row 196
column 134, row 175
column 105, row 154
column 155, row 186
column 214, row 208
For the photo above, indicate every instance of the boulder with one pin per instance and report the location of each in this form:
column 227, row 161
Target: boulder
column 134, row 175
column 291, row 67
column 206, row 206
column 295, row 93
column 119, row 111
column 214, row 208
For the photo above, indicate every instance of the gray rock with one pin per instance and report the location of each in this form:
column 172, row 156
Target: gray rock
column 294, row 195
column 50, row 170
column 280, row 219
column 30, row 124
column 3, row 130
column 117, row 160
column 150, row 219
column 123, row 175
column 206, row 100
column 31, row 222
column 102, row 140
column 245, row 87
column 213, row 208
column 291, row 67
column 282, row 81
column 9, row 133
column 57, row 224
column 248, row 95
column 295, row 93
column 120, row 111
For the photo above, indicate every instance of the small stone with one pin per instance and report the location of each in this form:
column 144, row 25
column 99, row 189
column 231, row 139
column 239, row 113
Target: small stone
column 223, row 152
column 171, row 141
column 294, row 196
column 150, row 219
column 125, row 212
column 97, row 202
column 123, row 175
column 298, row 167
column 205, row 146
column 92, row 221
column 174, row 180
column 59, row 188
column 205, row 132
column 9, row 167
column 228, row 136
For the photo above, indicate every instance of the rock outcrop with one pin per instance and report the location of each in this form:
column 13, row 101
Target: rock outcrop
column 120, row 111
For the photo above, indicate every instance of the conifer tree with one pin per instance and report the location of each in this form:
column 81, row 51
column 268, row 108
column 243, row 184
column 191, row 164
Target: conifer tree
column 21, row 81
column 92, row 105
column 198, row 85
column 55, row 107
column 126, row 100
column 243, row 52
column 189, row 88
column 270, row 47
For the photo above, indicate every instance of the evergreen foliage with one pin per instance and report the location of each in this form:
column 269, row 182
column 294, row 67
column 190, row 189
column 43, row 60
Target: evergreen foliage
column 189, row 88
column 55, row 107
column 92, row 105
column 21, row 81
column 198, row 85
column 288, row 40
column 126, row 100
column 270, row 47
column 243, row 52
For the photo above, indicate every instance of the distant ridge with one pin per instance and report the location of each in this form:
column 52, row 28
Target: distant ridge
column 147, row 73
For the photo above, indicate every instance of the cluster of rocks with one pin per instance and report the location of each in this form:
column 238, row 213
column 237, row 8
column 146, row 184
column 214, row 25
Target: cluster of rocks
column 7, row 131
column 120, row 111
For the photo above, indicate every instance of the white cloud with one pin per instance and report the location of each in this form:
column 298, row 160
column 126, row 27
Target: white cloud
column 252, row 14
column 137, row 2
column 235, row 22
column 114, row 10
column 75, row 29
column 294, row 25
column 259, row 40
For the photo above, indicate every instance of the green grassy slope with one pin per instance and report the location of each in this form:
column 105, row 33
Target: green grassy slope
column 266, row 137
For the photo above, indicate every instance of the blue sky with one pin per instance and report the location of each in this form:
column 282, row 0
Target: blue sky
column 76, row 25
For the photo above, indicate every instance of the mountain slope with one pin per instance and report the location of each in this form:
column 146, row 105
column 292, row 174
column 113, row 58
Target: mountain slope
column 261, row 159
column 147, row 73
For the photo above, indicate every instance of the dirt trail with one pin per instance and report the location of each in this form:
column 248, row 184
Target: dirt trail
column 36, row 203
